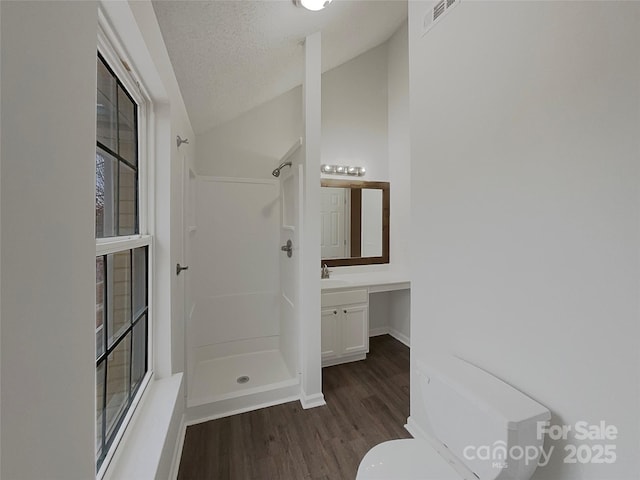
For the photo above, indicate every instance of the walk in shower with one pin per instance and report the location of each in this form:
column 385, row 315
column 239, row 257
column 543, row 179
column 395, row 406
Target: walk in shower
column 243, row 336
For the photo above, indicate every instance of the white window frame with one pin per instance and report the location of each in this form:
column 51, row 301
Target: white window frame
column 112, row 51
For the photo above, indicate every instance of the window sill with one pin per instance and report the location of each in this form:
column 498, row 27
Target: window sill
column 148, row 448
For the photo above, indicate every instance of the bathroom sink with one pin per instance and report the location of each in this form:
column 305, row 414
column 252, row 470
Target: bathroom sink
column 333, row 283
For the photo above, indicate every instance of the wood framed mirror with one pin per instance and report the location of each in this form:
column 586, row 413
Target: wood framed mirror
column 354, row 226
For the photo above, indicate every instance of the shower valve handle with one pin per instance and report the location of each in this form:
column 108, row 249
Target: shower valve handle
column 180, row 268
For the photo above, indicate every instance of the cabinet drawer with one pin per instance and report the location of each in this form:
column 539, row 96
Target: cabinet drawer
column 344, row 298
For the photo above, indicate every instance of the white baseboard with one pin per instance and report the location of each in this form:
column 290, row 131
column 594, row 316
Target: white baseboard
column 387, row 330
column 416, row 431
column 312, row 401
column 401, row 337
column 375, row 332
column 177, row 454
column 343, row 359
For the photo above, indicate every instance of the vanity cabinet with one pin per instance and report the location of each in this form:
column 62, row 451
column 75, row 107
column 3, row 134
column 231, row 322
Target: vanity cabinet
column 345, row 326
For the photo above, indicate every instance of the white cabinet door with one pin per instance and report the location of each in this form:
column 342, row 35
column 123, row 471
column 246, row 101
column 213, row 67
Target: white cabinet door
column 329, row 327
column 355, row 329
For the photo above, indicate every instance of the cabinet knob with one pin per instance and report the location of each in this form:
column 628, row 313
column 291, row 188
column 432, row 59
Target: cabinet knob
column 344, row 311
column 335, row 312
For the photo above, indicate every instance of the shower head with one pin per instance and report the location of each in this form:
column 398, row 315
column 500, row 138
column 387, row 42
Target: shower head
column 276, row 172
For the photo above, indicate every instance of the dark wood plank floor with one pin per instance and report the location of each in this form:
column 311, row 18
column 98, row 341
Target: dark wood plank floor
column 367, row 403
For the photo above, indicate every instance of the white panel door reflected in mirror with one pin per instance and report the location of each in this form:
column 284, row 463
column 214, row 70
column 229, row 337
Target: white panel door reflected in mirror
column 333, row 219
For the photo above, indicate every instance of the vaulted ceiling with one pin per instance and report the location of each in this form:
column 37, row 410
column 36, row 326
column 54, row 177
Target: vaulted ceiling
column 231, row 55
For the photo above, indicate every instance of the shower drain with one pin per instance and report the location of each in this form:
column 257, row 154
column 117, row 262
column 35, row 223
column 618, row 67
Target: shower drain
column 242, row 379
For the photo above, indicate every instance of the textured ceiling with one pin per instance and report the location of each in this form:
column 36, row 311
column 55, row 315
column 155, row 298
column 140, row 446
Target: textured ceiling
column 231, row 55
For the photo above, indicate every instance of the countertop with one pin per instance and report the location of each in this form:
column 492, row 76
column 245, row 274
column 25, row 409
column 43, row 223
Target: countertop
column 373, row 281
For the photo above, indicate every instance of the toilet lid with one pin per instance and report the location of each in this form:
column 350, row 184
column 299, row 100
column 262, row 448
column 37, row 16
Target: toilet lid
column 404, row 460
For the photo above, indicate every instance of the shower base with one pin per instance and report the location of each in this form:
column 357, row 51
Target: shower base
column 215, row 390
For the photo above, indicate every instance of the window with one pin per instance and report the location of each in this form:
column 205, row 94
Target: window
column 122, row 262
column 116, row 157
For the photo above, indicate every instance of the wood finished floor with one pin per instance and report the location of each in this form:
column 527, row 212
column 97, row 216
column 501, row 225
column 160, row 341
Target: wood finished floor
column 367, row 403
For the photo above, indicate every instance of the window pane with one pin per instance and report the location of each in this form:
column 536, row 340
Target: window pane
column 139, row 280
column 99, row 407
column 118, row 364
column 127, row 202
column 106, row 189
column 139, row 362
column 99, row 306
column 119, row 294
column 127, row 131
column 106, row 107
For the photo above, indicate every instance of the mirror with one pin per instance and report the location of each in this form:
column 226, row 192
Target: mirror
column 354, row 227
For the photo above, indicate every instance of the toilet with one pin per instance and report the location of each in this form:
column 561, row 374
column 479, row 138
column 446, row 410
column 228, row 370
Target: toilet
column 476, row 427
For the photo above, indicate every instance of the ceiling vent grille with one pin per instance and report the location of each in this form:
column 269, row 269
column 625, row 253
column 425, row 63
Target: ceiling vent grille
column 437, row 12
column 439, row 9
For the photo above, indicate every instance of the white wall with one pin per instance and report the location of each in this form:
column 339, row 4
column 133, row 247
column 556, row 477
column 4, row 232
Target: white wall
column 354, row 125
column 311, row 394
column 354, row 114
column 398, row 142
column 389, row 312
column 48, row 82
column 525, row 187
column 48, row 247
column 400, row 315
column 251, row 145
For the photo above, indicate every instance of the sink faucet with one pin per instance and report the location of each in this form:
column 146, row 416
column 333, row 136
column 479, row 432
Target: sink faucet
column 325, row 271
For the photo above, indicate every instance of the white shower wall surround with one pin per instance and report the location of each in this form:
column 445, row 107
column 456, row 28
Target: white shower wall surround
column 245, row 290
column 237, row 283
column 290, row 268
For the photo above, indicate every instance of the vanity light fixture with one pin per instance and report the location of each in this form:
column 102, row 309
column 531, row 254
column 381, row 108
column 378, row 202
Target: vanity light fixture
column 313, row 5
column 343, row 170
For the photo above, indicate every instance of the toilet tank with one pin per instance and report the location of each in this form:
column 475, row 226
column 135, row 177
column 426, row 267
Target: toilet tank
column 480, row 419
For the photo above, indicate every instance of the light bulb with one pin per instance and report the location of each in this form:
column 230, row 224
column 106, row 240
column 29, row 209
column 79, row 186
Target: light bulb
column 314, row 5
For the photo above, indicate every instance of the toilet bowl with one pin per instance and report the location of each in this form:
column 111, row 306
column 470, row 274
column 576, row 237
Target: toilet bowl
column 405, row 459
column 466, row 408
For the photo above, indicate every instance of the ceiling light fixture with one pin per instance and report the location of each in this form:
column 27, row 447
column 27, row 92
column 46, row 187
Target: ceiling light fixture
column 313, row 5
